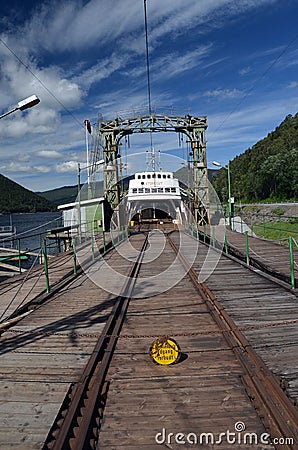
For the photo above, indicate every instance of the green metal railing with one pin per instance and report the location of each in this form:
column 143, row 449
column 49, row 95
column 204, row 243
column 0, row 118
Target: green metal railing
column 100, row 242
column 206, row 236
column 275, row 227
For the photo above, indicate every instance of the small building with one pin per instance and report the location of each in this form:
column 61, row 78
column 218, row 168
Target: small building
column 86, row 214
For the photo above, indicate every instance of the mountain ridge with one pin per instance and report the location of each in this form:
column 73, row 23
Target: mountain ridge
column 14, row 198
column 266, row 171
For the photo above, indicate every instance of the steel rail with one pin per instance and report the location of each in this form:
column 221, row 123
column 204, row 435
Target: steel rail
column 275, row 409
column 79, row 428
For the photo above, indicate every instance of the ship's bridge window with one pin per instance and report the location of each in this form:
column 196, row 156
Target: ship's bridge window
column 147, row 190
column 173, row 189
column 140, row 190
column 159, row 189
column 169, row 176
column 149, row 176
column 159, row 175
column 139, row 177
column 154, row 190
column 143, row 176
column 164, row 175
column 134, row 191
column 153, row 175
column 167, row 189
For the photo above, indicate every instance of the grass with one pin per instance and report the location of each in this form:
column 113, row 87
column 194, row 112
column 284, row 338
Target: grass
column 276, row 230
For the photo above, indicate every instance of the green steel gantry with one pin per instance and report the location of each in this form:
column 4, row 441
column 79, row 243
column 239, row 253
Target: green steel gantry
column 107, row 140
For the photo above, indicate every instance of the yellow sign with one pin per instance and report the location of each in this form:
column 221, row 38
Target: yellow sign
column 165, row 351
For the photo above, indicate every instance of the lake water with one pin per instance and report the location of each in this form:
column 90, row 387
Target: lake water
column 27, row 224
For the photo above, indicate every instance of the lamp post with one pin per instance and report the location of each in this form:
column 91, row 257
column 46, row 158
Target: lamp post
column 216, row 163
column 28, row 102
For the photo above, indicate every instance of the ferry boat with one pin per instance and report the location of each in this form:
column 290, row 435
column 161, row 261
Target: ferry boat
column 155, row 196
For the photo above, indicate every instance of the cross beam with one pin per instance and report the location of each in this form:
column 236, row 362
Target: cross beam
column 111, row 132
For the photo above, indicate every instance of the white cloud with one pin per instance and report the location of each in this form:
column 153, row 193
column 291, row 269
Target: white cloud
column 18, row 167
column 101, row 70
column 56, row 93
column 50, row 154
column 174, row 63
column 67, row 166
column 237, row 131
column 245, row 70
column 42, row 169
column 74, row 26
column 41, row 120
column 292, row 85
column 223, row 93
column 15, row 167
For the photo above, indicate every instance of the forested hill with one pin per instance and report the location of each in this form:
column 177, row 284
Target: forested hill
column 16, row 199
column 268, row 170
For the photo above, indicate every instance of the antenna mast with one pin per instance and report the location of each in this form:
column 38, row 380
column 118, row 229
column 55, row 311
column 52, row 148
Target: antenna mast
column 148, row 78
column 147, row 58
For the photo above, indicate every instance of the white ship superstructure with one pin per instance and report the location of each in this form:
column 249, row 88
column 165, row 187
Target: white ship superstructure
column 155, row 196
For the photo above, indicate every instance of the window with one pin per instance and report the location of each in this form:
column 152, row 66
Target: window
column 173, row 189
column 153, row 190
column 160, row 190
column 167, row 190
column 164, row 175
column 134, row 191
column 139, row 177
column 143, row 176
column 147, row 190
column 153, row 175
column 169, row 176
column 149, row 176
column 159, row 175
column 140, row 190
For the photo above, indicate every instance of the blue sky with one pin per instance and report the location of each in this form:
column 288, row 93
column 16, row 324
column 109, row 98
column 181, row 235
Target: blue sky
column 234, row 61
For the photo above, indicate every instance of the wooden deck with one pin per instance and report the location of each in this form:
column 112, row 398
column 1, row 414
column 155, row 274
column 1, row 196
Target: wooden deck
column 267, row 313
column 267, row 255
column 201, row 394
column 45, row 353
column 23, row 288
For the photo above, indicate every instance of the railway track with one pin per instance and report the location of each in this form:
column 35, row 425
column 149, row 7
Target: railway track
column 117, row 398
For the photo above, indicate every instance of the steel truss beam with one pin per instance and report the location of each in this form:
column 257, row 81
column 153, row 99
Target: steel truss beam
column 111, row 132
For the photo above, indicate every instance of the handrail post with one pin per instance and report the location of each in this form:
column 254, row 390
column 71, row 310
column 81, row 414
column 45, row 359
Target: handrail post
column 226, row 242
column 46, row 269
column 19, row 251
column 292, row 262
column 104, row 241
column 212, row 236
column 40, row 245
column 74, row 257
column 92, row 246
column 246, row 248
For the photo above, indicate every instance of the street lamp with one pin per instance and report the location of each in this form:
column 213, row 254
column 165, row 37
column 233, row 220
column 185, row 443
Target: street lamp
column 28, row 102
column 216, row 163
